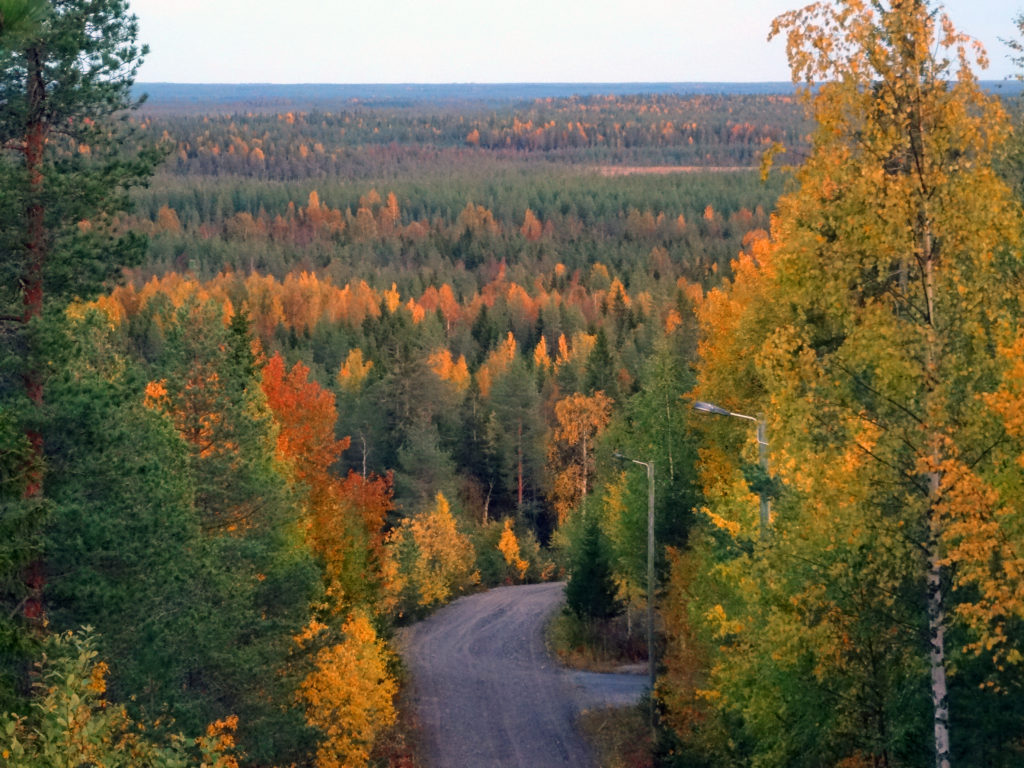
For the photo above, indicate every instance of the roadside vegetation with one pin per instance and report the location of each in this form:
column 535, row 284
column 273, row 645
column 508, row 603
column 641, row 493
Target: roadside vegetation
column 620, row 736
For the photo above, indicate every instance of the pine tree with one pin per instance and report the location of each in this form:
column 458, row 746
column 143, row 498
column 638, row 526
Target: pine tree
column 518, row 431
column 66, row 67
column 66, row 162
column 599, row 372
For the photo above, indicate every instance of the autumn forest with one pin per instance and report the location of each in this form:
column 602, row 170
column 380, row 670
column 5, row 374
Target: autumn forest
column 281, row 377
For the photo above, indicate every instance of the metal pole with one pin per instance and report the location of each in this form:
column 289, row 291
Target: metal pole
column 766, row 502
column 651, row 666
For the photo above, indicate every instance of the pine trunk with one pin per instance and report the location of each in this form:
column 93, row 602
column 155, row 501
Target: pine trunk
column 519, row 465
column 32, row 298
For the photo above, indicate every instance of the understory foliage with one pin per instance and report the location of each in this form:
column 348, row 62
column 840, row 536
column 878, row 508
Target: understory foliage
column 349, row 694
column 70, row 721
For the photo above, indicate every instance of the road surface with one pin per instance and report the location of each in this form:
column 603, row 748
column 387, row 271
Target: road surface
column 487, row 694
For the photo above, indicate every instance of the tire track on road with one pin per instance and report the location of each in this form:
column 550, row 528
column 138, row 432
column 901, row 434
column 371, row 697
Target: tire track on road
column 486, row 692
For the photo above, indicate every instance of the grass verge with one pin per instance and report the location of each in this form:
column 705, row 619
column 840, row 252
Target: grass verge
column 620, row 736
column 399, row 745
column 596, row 645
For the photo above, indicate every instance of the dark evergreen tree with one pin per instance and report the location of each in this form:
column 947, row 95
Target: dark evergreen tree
column 600, row 373
column 124, row 549
column 424, row 469
column 64, row 159
column 66, row 67
column 590, row 593
column 486, row 333
column 517, row 435
column 172, row 530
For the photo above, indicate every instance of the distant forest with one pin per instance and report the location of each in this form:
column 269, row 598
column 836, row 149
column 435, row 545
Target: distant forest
column 179, row 97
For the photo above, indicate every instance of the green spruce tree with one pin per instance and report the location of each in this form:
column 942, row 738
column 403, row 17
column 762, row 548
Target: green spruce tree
column 590, row 593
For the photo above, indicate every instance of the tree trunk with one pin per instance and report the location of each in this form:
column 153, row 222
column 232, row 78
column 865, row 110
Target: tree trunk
column 35, row 241
column 519, row 465
column 937, row 638
column 936, row 605
column 32, row 299
column 583, row 474
column 487, row 502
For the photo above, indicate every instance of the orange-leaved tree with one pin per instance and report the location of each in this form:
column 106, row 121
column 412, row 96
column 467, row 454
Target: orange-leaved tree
column 580, row 419
column 306, row 417
column 344, row 518
column 508, row 545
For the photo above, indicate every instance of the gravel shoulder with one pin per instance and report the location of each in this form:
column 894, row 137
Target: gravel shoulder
column 486, row 692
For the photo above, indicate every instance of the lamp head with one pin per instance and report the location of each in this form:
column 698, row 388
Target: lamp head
column 710, row 408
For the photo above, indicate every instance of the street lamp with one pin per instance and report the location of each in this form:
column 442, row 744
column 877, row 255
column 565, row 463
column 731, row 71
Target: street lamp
column 650, row 570
column 762, row 450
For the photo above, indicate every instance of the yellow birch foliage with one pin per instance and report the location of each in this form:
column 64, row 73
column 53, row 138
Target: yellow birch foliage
column 389, row 216
column 496, row 364
column 449, row 306
column 416, row 312
column 508, row 545
column 685, row 659
column 866, row 328
column 672, row 321
column 478, row 220
column 428, row 561
column 734, row 320
column 167, row 220
column 918, row 288
column 531, row 228
column 349, row 696
column 541, row 358
column 70, row 722
column 354, row 370
column 563, row 356
column 582, row 345
column 392, row 298
column 579, row 420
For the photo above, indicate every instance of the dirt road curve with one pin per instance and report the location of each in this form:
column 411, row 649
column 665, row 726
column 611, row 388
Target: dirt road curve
column 486, row 692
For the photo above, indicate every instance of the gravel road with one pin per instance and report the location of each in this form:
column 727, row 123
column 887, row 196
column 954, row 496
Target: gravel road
column 486, row 692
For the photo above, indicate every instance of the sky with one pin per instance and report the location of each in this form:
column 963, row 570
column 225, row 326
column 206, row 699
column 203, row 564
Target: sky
column 491, row 41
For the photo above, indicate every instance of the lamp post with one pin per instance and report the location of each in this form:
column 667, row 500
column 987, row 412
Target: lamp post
column 650, row 571
column 762, row 450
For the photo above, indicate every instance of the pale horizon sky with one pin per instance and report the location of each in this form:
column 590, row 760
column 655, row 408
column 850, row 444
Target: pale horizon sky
column 474, row 41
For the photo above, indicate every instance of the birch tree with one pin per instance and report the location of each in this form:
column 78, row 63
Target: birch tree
column 891, row 286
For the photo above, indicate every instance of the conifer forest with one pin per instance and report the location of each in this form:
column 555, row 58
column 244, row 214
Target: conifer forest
column 282, row 372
